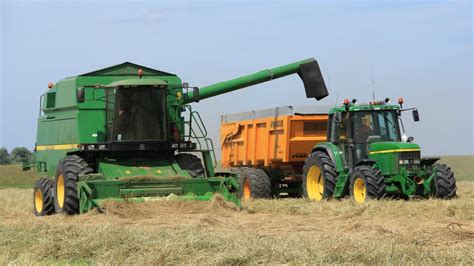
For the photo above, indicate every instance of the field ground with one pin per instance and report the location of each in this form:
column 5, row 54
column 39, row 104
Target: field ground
column 293, row 231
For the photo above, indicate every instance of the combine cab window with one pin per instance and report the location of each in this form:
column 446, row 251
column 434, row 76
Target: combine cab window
column 137, row 113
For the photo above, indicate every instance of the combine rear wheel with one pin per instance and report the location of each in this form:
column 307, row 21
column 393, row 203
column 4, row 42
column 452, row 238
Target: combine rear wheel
column 444, row 182
column 367, row 183
column 43, row 201
column 319, row 177
column 190, row 163
column 66, row 199
column 254, row 183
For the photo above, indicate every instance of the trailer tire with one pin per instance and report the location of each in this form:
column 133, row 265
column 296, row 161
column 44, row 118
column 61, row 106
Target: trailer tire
column 66, row 199
column 318, row 171
column 254, row 183
column 367, row 182
column 190, row 163
column 43, row 198
column 444, row 182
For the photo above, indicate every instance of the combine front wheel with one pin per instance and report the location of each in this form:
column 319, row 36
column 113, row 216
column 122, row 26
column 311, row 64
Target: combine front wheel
column 66, row 199
column 43, row 202
column 367, row 183
column 319, row 177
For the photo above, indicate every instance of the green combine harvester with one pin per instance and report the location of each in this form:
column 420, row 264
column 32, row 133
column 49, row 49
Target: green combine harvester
column 128, row 133
column 367, row 157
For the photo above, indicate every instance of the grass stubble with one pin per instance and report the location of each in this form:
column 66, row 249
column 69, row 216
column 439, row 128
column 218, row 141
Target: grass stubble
column 290, row 231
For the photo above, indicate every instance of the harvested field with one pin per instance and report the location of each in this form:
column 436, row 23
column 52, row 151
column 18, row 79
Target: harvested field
column 291, row 231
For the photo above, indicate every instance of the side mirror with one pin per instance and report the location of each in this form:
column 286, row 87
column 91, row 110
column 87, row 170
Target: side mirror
column 410, row 139
column 338, row 117
column 416, row 116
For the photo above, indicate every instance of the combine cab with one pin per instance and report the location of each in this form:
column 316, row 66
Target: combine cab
column 128, row 133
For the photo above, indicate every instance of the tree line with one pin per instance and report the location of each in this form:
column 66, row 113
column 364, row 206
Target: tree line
column 17, row 156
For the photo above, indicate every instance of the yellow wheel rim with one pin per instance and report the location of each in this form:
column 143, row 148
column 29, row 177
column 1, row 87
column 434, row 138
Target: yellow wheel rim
column 38, row 201
column 60, row 191
column 359, row 190
column 246, row 189
column 315, row 183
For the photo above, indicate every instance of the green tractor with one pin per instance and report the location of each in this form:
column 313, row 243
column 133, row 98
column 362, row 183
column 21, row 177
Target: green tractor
column 129, row 133
column 367, row 157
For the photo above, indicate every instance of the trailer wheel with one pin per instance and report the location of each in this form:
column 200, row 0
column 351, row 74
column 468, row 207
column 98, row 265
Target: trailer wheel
column 319, row 177
column 367, row 182
column 66, row 199
column 254, row 183
column 43, row 199
column 190, row 163
column 444, row 182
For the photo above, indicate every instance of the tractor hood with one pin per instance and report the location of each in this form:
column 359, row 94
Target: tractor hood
column 391, row 146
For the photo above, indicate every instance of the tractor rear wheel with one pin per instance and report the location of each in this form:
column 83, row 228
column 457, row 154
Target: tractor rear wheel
column 66, row 199
column 43, row 199
column 190, row 163
column 444, row 182
column 254, row 183
column 367, row 182
column 319, row 177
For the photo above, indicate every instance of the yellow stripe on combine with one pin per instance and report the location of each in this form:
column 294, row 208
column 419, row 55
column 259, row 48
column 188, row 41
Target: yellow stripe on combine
column 57, row 147
column 388, row 151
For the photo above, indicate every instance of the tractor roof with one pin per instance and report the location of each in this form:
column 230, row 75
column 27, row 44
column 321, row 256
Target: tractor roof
column 364, row 107
column 126, row 69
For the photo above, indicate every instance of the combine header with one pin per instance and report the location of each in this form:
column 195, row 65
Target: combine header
column 128, row 133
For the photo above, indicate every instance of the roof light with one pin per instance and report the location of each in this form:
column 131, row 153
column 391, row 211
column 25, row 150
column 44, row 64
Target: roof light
column 346, row 101
column 354, row 101
column 50, row 85
column 400, row 100
column 140, row 72
column 387, row 100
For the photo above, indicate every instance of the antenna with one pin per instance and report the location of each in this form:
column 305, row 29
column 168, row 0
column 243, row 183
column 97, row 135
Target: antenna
column 373, row 83
column 337, row 99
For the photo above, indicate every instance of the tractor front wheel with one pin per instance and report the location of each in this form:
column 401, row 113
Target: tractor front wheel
column 43, row 199
column 319, row 177
column 367, row 182
column 66, row 199
column 444, row 182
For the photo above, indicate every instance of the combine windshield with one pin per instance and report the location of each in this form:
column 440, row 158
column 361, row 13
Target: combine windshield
column 136, row 113
column 376, row 126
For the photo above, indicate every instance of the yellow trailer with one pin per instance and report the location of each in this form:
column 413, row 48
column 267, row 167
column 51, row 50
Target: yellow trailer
column 267, row 148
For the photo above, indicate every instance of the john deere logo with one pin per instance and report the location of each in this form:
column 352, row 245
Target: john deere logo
column 142, row 147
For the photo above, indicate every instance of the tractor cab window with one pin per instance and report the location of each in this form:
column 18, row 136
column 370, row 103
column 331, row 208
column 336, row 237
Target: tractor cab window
column 136, row 113
column 388, row 125
column 364, row 126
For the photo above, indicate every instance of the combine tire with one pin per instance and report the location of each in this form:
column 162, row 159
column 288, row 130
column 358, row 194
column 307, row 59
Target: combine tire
column 190, row 163
column 319, row 177
column 254, row 183
column 444, row 182
column 65, row 186
column 367, row 183
column 43, row 201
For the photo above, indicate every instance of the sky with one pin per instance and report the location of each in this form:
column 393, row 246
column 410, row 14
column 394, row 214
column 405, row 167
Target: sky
column 420, row 50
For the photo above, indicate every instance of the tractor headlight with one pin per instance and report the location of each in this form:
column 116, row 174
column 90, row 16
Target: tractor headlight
column 403, row 161
column 182, row 145
column 416, row 161
column 174, row 145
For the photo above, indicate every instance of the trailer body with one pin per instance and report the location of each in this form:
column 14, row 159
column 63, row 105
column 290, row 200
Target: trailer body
column 276, row 141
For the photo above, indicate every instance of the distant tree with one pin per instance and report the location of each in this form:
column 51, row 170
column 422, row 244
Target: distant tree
column 4, row 156
column 20, row 155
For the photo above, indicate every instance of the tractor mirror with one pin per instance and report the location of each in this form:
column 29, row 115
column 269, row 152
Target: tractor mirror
column 410, row 139
column 416, row 116
column 313, row 80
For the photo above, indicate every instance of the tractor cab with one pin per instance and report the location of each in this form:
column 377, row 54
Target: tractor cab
column 361, row 130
